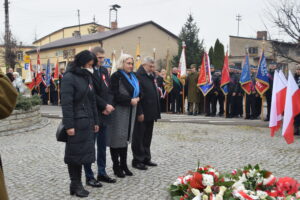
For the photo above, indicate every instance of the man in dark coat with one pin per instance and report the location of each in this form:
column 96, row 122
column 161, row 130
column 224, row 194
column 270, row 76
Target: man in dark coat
column 104, row 99
column 176, row 93
column 148, row 111
column 53, row 90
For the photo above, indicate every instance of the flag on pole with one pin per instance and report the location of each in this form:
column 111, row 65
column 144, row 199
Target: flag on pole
column 291, row 109
column 278, row 101
column 56, row 72
column 205, row 81
column 168, row 79
column 137, row 57
column 182, row 62
column 262, row 79
column 39, row 78
column 245, row 79
column 29, row 81
column 48, row 74
column 113, row 63
column 225, row 79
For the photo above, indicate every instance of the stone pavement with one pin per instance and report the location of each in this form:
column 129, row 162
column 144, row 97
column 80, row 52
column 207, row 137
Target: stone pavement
column 55, row 112
column 34, row 167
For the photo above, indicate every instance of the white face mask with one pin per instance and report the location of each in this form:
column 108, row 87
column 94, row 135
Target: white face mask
column 91, row 70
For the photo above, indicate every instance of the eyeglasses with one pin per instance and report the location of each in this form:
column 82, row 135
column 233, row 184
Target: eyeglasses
column 129, row 63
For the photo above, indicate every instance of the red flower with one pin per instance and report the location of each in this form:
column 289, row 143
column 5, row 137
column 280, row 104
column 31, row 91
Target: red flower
column 196, row 181
column 287, row 185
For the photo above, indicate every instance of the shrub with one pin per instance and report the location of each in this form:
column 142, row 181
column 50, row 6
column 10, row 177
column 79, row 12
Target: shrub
column 26, row 103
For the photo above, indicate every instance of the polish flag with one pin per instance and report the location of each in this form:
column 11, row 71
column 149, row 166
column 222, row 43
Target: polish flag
column 291, row 109
column 278, row 101
column 38, row 69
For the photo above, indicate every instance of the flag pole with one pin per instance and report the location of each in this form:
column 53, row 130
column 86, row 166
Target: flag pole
column 225, row 105
column 48, row 95
column 167, row 103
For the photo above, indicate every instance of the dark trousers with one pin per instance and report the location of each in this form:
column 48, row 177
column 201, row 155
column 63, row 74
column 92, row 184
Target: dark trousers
column 269, row 100
column 119, row 158
column 175, row 102
column 258, row 103
column 221, row 99
column 75, row 175
column 297, row 125
column 141, row 141
column 250, row 106
column 100, row 139
column 210, row 104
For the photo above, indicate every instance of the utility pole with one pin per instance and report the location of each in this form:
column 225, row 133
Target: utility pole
column 78, row 14
column 7, row 31
column 238, row 19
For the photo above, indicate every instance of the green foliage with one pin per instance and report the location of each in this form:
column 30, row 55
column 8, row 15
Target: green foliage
column 26, row 103
column 217, row 55
column 194, row 47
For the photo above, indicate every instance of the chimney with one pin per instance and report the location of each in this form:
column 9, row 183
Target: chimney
column 262, row 35
column 114, row 25
column 76, row 34
column 100, row 29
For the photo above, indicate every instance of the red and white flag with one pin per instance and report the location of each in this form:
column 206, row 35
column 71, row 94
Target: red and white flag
column 38, row 69
column 291, row 109
column 278, row 101
column 182, row 62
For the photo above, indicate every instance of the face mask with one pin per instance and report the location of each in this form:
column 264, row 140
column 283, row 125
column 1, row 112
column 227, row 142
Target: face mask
column 91, row 70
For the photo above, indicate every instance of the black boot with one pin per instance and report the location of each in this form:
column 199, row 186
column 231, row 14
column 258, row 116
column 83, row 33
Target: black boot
column 123, row 161
column 76, row 187
column 116, row 164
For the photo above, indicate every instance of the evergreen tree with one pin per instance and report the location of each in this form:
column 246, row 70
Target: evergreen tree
column 211, row 54
column 194, row 47
column 218, row 55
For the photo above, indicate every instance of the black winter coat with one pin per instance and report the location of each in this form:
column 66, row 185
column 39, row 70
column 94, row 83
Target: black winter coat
column 149, row 103
column 79, row 112
column 104, row 96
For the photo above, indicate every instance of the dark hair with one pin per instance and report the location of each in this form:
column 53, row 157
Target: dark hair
column 83, row 58
column 10, row 76
column 98, row 49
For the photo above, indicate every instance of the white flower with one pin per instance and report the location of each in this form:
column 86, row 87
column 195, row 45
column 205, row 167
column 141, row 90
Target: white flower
column 262, row 194
column 238, row 185
column 208, row 190
column 178, row 181
column 186, row 178
column 197, row 194
column 208, row 180
column 222, row 189
column 298, row 195
column 251, row 173
column 205, row 197
column 269, row 181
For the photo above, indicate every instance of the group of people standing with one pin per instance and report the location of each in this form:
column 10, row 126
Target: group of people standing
column 198, row 104
column 109, row 111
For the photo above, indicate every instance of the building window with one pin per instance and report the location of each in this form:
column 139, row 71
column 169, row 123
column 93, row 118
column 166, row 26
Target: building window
column 59, row 53
column 69, row 53
column 253, row 50
column 284, row 50
column 20, row 55
column 298, row 53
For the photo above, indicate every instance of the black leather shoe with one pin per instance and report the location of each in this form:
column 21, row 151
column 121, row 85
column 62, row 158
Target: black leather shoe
column 93, row 183
column 139, row 166
column 149, row 163
column 127, row 172
column 118, row 172
column 106, row 179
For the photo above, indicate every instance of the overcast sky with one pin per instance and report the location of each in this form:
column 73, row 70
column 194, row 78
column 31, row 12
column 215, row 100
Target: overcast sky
column 215, row 18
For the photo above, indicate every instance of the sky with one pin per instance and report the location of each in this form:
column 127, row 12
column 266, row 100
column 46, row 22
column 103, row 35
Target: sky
column 215, row 18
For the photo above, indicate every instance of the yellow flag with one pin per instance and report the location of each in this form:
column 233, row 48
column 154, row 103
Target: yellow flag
column 168, row 79
column 137, row 57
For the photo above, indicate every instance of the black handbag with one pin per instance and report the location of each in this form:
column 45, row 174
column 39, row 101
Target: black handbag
column 61, row 133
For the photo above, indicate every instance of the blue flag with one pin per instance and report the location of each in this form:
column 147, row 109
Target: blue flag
column 48, row 74
column 245, row 79
column 205, row 83
column 262, row 78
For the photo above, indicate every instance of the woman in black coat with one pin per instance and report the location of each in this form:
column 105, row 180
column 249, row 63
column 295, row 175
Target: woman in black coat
column 126, row 91
column 80, row 118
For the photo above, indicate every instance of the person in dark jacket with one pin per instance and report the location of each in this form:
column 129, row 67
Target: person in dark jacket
column 272, row 69
column 125, row 88
column 148, row 111
column 176, row 93
column 104, row 99
column 80, row 118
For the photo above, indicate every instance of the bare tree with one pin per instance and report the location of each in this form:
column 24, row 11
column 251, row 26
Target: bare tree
column 10, row 54
column 285, row 14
